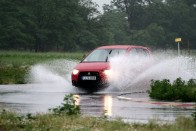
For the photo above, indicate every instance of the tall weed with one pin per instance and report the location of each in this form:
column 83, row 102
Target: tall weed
column 69, row 106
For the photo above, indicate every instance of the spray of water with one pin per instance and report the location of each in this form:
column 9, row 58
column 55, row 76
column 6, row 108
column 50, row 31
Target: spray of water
column 55, row 73
column 131, row 73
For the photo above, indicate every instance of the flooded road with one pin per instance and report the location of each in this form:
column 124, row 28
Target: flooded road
column 131, row 107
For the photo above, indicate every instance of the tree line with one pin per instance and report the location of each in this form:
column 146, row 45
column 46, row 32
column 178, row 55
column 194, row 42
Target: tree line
column 75, row 25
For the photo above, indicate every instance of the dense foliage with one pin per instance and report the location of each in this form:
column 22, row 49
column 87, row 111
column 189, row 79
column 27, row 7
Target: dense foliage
column 178, row 90
column 70, row 25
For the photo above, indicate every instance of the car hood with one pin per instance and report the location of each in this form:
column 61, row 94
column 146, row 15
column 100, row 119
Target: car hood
column 94, row 66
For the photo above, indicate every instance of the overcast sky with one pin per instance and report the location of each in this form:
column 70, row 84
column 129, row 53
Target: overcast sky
column 101, row 2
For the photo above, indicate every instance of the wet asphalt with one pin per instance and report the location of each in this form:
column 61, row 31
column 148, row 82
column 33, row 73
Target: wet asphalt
column 129, row 106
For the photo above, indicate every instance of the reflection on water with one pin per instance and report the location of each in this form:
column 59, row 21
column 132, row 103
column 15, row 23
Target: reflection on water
column 108, row 105
column 102, row 104
column 136, row 109
column 77, row 99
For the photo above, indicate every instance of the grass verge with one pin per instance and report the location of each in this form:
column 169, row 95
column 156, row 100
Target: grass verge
column 10, row 121
column 15, row 65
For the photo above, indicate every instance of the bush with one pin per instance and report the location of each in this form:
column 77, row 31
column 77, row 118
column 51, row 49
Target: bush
column 69, row 106
column 178, row 90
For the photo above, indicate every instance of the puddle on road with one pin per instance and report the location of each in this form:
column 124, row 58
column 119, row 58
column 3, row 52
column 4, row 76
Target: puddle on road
column 132, row 108
column 33, row 99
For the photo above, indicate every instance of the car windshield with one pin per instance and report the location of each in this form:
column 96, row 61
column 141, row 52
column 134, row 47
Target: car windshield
column 103, row 55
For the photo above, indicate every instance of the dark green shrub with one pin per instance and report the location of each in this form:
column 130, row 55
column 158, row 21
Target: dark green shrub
column 178, row 90
column 159, row 91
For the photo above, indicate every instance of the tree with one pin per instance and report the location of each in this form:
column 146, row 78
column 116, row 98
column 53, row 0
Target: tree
column 116, row 25
column 134, row 10
column 13, row 33
column 69, row 25
column 152, row 36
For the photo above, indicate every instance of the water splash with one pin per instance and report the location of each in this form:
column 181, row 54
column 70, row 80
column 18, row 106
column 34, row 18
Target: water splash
column 134, row 74
column 129, row 73
column 57, row 72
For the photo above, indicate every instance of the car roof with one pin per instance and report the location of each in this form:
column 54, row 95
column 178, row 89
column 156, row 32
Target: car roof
column 120, row 47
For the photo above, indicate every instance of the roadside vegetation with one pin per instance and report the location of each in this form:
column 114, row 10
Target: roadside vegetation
column 68, row 107
column 67, row 117
column 179, row 90
column 10, row 121
column 15, row 65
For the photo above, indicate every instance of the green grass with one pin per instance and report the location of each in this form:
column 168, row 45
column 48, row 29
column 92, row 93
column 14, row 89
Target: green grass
column 10, row 121
column 17, row 59
column 15, row 65
column 13, row 75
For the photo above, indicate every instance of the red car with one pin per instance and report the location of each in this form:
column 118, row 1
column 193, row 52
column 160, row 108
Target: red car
column 91, row 73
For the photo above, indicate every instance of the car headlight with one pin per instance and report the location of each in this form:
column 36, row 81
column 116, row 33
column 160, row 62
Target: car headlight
column 75, row 72
column 107, row 72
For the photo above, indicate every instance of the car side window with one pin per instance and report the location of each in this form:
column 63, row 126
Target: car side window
column 142, row 52
column 133, row 52
column 116, row 52
column 146, row 53
column 113, row 53
column 121, row 51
